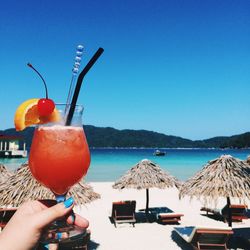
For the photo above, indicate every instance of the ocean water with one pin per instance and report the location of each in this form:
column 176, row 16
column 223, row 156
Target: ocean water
column 110, row 164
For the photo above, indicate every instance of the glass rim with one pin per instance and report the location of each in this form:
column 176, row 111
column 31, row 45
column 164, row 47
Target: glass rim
column 64, row 103
column 77, row 106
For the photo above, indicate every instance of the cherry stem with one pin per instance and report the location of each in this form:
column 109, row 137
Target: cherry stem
column 46, row 90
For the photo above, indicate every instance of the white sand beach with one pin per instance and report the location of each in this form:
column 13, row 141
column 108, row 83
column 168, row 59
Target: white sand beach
column 145, row 236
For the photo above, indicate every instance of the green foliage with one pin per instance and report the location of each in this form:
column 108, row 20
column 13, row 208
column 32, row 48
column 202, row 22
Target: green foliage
column 110, row 137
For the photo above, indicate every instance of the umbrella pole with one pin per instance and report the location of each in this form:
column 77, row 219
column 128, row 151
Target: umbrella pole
column 229, row 219
column 147, row 201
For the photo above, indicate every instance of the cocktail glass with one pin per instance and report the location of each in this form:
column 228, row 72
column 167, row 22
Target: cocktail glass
column 59, row 158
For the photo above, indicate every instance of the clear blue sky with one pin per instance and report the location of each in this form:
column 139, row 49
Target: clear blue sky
column 176, row 67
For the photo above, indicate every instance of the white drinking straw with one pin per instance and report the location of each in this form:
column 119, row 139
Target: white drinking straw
column 75, row 70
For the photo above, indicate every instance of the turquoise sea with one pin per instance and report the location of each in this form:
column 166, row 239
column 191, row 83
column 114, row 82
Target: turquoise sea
column 110, row 164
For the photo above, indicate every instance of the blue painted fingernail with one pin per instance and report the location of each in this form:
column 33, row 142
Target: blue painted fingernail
column 59, row 235
column 46, row 246
column 69, row 202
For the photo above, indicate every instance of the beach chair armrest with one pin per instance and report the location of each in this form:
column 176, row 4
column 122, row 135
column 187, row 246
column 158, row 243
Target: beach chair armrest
column 204, row 231
column 123, row 216
column 169, row 218
column 170, row 215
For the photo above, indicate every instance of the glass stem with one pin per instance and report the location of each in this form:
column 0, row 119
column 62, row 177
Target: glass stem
column 60, row 198
column 60, row 223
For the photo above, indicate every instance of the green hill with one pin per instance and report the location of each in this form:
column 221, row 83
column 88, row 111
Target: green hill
column 111, row 137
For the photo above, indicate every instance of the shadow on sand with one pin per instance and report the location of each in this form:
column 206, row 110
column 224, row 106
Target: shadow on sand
column 92, row 245
column 240, row 239
column 217, row 217
column 140, row 218
column 182, row 244
column 248, row 213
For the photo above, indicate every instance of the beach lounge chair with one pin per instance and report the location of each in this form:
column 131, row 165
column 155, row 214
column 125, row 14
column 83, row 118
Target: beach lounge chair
column 5, row 216
column 204, row 237
column 238, row 212
column 123, row 212
column 164, row 215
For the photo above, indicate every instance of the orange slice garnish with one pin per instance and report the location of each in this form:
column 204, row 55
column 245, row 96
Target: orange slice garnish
column 27, row 115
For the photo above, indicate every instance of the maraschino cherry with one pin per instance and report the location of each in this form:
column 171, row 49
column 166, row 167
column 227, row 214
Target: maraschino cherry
column 45, row 106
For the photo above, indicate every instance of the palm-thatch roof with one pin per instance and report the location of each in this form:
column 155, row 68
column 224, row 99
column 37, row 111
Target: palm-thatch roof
column 144, row 175
column 4, row 173
column 21, row 186
column 248, row 160
column 225, row 176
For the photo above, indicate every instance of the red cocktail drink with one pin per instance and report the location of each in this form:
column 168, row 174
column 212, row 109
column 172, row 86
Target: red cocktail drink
column 59, row 157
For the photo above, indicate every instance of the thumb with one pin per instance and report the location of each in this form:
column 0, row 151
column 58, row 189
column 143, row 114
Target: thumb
column 55, row 212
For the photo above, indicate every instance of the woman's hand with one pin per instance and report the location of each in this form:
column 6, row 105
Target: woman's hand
column 24, row 229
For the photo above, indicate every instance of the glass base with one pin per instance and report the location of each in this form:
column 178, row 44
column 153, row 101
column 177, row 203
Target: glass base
column 60, row 231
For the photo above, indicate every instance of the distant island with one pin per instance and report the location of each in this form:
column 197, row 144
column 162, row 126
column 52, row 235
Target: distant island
column 111, row 137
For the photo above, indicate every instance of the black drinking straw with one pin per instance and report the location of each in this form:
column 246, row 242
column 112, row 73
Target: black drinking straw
column 79, row 84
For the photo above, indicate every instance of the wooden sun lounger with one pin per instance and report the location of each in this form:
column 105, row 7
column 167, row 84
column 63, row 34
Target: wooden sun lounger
column 205, row 238
column 169, row 217
column 238, row 212
column 123, row 212
column 164, row 215
column 5, row 216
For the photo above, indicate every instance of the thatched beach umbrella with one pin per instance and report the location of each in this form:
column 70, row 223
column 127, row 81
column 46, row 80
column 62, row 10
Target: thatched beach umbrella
column 248, row 160
column 144, row 175
column 4, row 173
column 225, row 176
column 21, row 186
